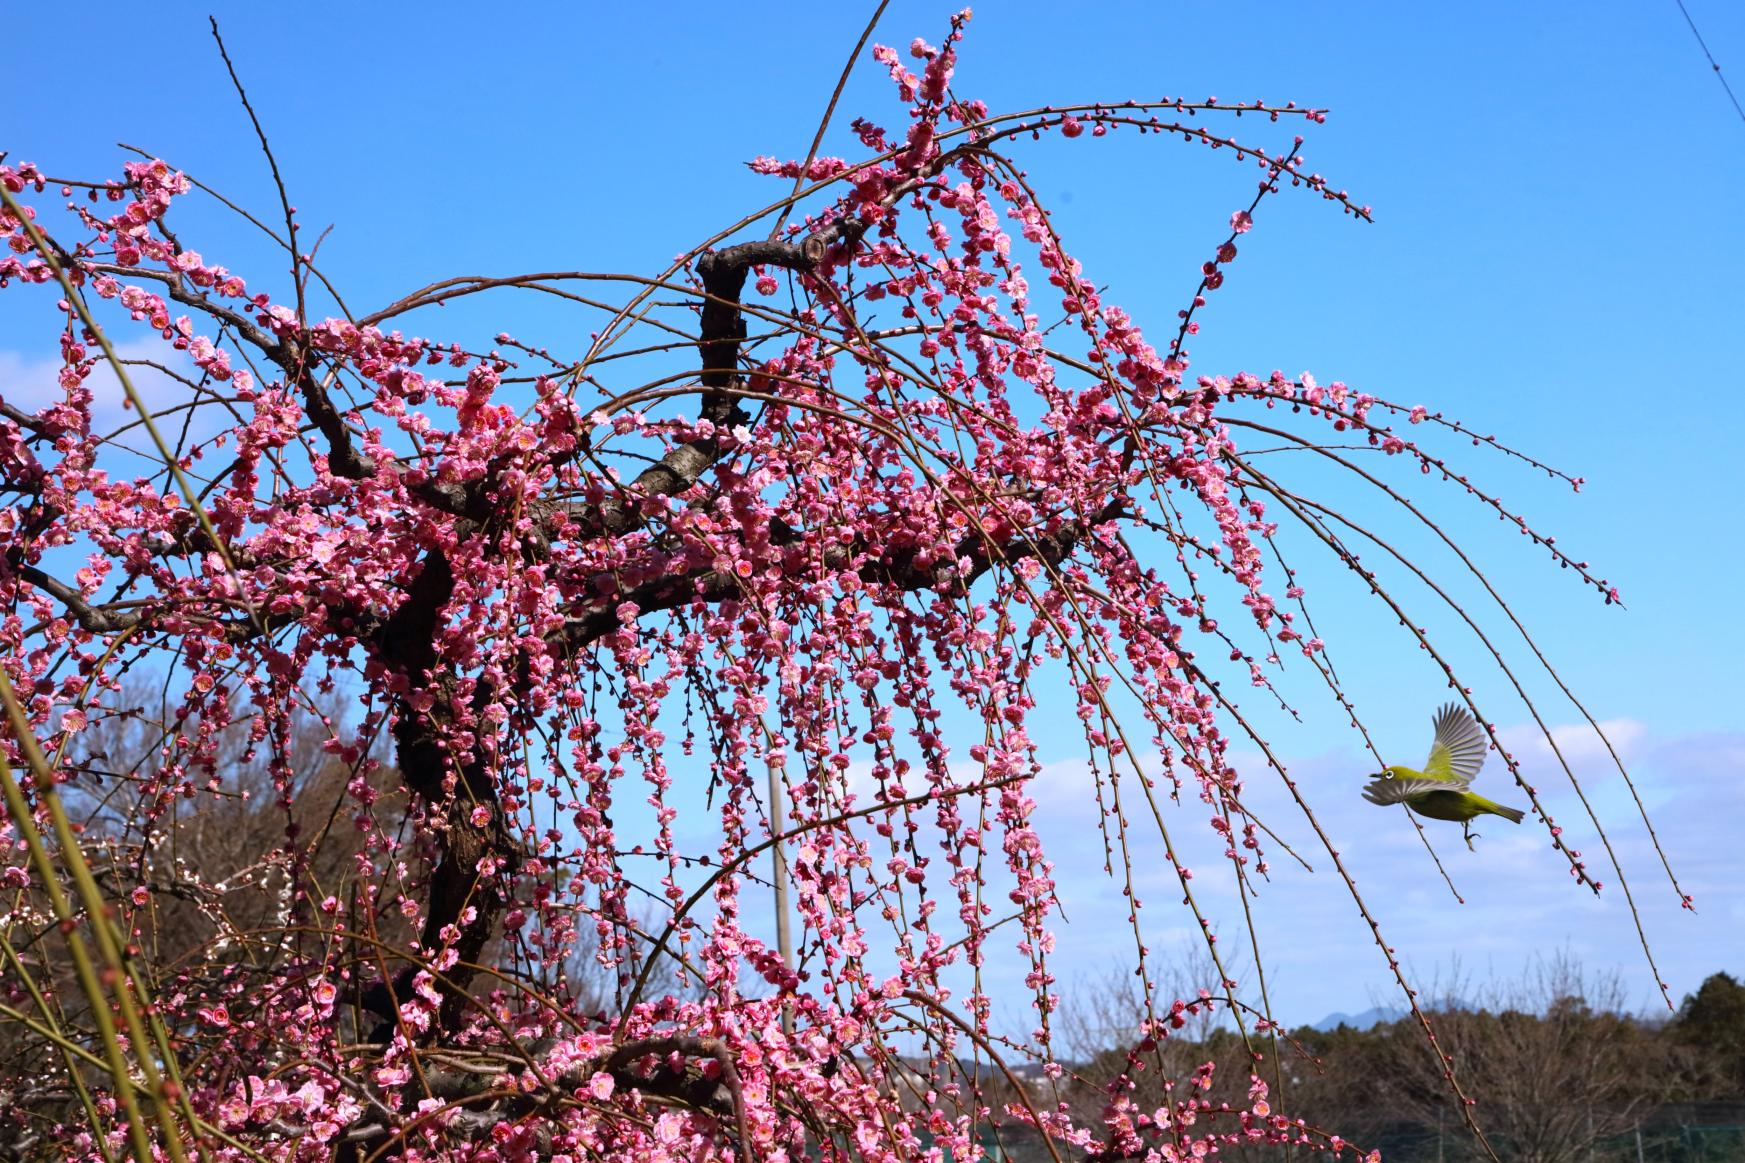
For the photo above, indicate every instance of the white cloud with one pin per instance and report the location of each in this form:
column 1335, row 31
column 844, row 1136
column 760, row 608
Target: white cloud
column 1580, row 745
column 31, row 383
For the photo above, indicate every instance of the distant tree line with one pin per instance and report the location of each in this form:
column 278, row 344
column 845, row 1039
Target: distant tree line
column 1559, row 1070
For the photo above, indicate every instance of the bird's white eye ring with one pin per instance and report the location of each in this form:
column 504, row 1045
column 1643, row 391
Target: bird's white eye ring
column 1387, row 775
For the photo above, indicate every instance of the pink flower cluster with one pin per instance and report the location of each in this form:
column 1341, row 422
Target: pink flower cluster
column 960, row 475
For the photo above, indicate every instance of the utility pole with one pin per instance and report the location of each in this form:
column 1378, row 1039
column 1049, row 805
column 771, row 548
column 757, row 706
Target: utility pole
column 779, row 878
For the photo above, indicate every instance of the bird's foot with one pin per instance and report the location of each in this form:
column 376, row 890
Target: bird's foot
column 1470, row 837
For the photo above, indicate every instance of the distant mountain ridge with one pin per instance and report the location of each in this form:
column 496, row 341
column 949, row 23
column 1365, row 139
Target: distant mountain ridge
column 1369, row 1018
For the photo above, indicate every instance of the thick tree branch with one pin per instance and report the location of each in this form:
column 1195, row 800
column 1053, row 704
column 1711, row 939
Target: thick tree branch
column 96, row 619
column 721, row 334
column 897, row 568
column 723, row 325
column 22, row 418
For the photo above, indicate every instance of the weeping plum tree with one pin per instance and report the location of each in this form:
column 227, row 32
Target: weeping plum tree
column 767, row 579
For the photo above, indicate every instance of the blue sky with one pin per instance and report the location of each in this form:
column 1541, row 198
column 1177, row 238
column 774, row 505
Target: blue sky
column 1555, row 258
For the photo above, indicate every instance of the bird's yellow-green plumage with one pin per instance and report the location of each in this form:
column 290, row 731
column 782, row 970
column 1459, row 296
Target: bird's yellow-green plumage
column 1440, row 790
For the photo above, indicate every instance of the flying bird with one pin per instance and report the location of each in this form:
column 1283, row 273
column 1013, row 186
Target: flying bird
column 1440, row 790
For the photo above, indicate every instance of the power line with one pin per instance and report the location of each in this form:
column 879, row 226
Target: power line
column 1704, row 46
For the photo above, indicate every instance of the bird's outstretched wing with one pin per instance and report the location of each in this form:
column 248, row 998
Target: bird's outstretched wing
column 1458, row 750
column 1387, row 789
